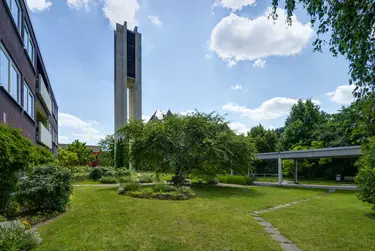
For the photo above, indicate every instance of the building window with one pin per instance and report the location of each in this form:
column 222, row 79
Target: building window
column 16, row 11
column 28, row 43
column 28, row 100
column 9, row 75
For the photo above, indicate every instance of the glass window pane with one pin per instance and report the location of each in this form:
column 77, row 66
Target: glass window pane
column 14, row 84
column 25, row 96
column 8, row 2
column 4, row 70
column 26, row 37
column 32, row 106
column 29, row 106
column 31, row 50
column 15, row 13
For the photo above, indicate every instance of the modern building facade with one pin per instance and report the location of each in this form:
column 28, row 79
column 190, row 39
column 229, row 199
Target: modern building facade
column 128, row 75
column 26, row 96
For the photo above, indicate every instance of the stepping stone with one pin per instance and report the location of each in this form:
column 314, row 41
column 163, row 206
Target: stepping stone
column 258, row 218
column 279, row 238
column 272, row 230
column 265, row 224
column 289, row 247
column 288, row 205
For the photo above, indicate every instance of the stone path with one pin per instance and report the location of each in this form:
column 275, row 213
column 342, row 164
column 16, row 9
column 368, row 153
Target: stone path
column 284, row 242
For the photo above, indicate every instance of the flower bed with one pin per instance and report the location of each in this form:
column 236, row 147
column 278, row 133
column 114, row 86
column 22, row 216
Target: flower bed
column 157, row 192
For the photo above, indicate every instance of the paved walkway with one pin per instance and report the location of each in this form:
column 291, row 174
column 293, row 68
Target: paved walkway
column 272, row 184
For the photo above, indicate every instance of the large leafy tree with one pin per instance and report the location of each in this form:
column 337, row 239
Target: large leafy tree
column 83, row 152
column 301, row 126
column 264, row 140
column 107, row 146
column 200, row 144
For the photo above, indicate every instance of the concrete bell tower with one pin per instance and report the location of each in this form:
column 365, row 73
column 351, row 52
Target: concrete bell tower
column 128, row 75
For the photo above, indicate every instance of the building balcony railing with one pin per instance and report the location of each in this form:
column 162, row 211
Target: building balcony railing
column 44, row 95
column 44, row 136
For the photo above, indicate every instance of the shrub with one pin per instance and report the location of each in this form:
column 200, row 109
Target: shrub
column 120, row 172
column 366, row 174
column 108, row 180
column 40, row 217
column 100, row 171
column 126, row 179
column 15, row 236
column 145, row 178
column 130, row 186
column 80, row 169
column 13, row 208
column 161, row 188
column 47, row 188
column 41, row 155
column 16, row 155
column 213, row 181
column 80, row 176
column 2, row 218
column 239, row 180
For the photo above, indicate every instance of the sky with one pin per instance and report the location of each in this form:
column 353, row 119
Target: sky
column 223, row 55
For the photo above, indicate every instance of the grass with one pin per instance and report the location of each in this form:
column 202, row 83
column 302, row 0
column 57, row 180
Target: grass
column 217, row 219
column 335, row 222
column 86, row 182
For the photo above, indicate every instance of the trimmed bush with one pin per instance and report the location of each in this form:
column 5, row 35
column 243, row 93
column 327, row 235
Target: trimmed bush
column 235, row 179
column 108, row 180
column 160, row 192
column 15, row 236
column 130, row 186
column 47, row 188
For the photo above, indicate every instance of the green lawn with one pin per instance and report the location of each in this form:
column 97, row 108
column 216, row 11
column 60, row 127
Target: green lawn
column 335, row 222
column 217, row 219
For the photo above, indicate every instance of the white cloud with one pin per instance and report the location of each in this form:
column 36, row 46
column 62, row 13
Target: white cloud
column 155, row 20
column 86, row 129
column 238, row 127
column 64, row 140
column 236, row 87
column 207, row 56
column 78, row 4
column 237, row 38
column 270, row 109
column 343, row 94
column 118, row 11
column 188, row 112
column 260, row 63
column 235, row 4
column 38, row 5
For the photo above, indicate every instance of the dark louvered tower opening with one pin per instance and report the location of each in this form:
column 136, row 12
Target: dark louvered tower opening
column 131, row 54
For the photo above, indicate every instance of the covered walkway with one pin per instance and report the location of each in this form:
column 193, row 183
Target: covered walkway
column 334, row 152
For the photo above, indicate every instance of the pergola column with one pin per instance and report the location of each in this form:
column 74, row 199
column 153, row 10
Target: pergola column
column 280, row 165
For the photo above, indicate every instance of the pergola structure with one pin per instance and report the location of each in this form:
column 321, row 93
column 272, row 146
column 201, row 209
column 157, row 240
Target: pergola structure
column 334, row 152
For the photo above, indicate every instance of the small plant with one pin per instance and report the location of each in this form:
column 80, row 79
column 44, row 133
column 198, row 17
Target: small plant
column 213, row 181
column 12, row 208
column 126, row 179
column 130, row 186
column 15, row 236
column 145, row 178
column 108, row 180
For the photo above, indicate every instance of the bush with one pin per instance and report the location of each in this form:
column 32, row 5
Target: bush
column 14, row 236
column 366, row 174
column 108, row 180
column 145, row 178
column 120, row 172
column 80, row 176
column 130, row 186
column 213, row 181
column 40, row 217
column 161, row 188
column 239, row 180
column 15, row 156
column 126, row 179
column 13, row 208
column 42, row 156
column 98, row 172
column 47, row 188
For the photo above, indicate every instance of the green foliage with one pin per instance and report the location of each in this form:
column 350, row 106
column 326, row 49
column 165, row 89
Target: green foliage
column 12, row 208
column 15, row 155
column 235, row 179
column 39, row 217
column 199, row 144
column 15, row 236
column 2, row 218
column 264, row 140
column 97, row 172
column 107, row 145
column 41, row 156
column 122, row 153
column 83, row 153
column 162, row 192
column 67, row 158
column 301, row 126
column 108, row 180
column 46, row 188
column 162, row 188
column 366, row 174
column 130, row 186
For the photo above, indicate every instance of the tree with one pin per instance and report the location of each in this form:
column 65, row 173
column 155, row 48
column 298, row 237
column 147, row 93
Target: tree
column 15, row 156
column 107, row 146
column 264, row 140
column 67, row 158
column 351, row 26
column 199, row 144
column 41, row 155
column 302, row 124
column 83, row 153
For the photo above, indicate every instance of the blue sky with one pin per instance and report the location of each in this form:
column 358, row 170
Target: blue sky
column 223, row 56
